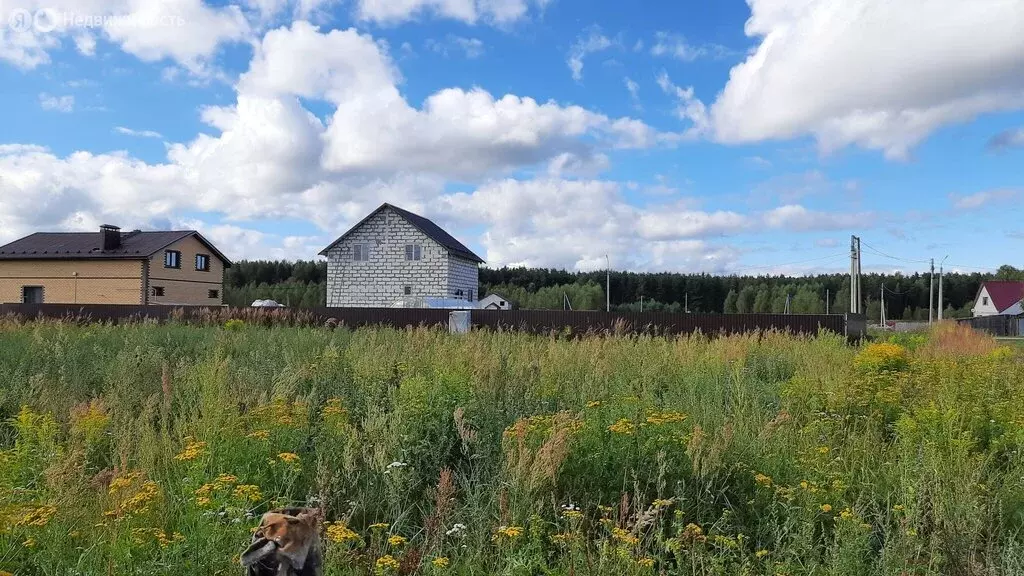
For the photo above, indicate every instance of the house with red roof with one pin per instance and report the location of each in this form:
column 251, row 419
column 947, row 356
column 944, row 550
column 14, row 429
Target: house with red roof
column 1000, row 297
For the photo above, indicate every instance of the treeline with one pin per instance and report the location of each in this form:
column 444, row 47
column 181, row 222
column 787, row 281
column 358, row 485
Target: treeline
column 303, row 284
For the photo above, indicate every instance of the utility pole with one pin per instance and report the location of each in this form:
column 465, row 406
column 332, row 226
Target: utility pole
column 854, row 275
column 608, row 282
column 931, row 292
column 787, row 304
column 686, row 302
column 881, row 314
column 940, row 287
column 641, row 303
column 826, row 300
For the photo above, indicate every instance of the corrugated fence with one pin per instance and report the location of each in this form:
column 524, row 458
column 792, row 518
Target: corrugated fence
column 1005, row 326
column 538, row 321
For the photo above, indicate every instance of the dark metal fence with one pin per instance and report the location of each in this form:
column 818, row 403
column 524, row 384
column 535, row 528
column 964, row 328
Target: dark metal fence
column 1004, row 326
column 537, row 321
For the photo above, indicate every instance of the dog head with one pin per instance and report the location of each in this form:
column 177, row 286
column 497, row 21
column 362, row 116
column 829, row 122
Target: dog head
column 287, row 535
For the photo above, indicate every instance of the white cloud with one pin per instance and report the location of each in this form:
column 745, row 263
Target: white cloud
column 634, row 89
column 980, row 199
column 872, row 73
column 469, row 47
column 759, row 162
column 676, row 46
column 138, row 133
column 57, row 103
column 85, row 43
column 593, row 41
column 186, row 31
column 499, row 12
column 689, row 108
column 796, row 218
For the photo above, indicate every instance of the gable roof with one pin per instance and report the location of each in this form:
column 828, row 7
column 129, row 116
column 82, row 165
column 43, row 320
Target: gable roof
column 433, row 231
column 1003, row 293
column 135, row 245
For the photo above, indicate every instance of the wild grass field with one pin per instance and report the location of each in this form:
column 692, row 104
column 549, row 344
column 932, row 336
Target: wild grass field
column 153, row 449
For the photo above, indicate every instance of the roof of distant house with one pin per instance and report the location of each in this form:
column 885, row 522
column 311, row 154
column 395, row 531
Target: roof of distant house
column 1004, row 293
column 433, row 231
column 89, row 245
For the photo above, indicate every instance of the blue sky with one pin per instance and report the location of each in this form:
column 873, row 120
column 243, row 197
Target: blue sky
column 726, row 137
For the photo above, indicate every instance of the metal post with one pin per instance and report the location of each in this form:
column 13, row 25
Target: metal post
column 641, row 303
column 881, row 308
column 608, row 288
column 940, row 304
column 931, row 293
column 826, row 300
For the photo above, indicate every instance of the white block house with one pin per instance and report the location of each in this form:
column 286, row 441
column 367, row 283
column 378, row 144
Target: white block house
column 999, row 297
column 396, row 258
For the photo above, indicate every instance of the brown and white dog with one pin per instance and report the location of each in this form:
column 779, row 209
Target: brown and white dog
column 286, row 543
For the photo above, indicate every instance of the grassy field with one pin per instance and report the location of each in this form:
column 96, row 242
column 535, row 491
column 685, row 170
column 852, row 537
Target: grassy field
column 153, row 449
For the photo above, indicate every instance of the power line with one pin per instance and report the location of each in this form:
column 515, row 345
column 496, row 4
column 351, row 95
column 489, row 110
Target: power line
column 883, row 254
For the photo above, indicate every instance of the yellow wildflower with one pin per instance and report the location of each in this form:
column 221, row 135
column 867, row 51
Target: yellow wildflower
column 508, row 532
column 898, row 508
column 826, row 508
column 249, row 492
column 804, row 484
column 662, row 503
column 761, row 554
column 625, row 537
column 192, row 450
column 593, row 404
column 203, row 501
column 645, row 562
column 259, row 434
column 38, row 516
column 563, row 538
column 386, row 563
column 572, row 514
column 340, row 533
column 226, row 479
column 289, row 457
column 29, row 543
column 379, row 526
column 2, row 573
column 658, row 418
column 333, row 408
column 846, row 514
column 762, row 479
column 823, row 449
column 441, row 562
column 396, row 540
column 623, row 426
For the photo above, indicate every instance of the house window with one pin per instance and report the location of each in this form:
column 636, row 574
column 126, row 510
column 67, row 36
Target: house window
column 32, row 294
column 202, row 262
column 459, row 293
column 984, row 300
column 360, row 252
column 213, row 294
column 413, row 251
column 470, row 296
column 408, row 290
column 158, row 290
column 172, row 259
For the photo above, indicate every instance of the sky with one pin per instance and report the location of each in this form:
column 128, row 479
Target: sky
column 723, row 137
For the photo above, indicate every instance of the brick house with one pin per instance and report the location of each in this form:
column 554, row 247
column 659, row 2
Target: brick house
column 396, row 258
column 112, row 267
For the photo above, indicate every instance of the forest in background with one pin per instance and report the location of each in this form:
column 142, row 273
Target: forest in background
column 303, row 284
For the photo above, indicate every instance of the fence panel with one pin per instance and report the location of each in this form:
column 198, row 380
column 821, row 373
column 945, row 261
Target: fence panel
column 537, row 321
column 1002, row 326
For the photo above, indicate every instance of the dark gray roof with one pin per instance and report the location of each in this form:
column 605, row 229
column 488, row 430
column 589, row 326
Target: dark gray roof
column 433, row 231
column 89, row 245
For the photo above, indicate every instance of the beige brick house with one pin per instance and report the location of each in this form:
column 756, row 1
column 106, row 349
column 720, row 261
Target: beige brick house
column 113, row 267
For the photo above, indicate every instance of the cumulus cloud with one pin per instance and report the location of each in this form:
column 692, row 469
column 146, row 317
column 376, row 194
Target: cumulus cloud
column 794, row 217
column 499, row 12
column 876, row 74
column 689, row 108
column 188, row 32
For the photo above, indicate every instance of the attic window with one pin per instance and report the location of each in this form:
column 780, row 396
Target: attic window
column 984, row 300
column 413, row 251
column 360, row 252
column 202, row 263
column 172, row 259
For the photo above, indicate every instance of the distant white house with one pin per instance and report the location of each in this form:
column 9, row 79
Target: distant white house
column 999, row 298
column 494, row 302
column 396, row 258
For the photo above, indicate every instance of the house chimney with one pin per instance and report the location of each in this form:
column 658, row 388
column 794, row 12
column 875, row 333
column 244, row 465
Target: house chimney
column 111, row 236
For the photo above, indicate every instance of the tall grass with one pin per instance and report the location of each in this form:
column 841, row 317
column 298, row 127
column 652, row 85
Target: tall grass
column 152, row 449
